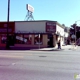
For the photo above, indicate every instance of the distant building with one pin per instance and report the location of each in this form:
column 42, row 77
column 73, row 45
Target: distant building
column 66, row 35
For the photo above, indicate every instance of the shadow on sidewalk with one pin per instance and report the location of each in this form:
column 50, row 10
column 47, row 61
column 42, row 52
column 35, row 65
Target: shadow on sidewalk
column 47, row 50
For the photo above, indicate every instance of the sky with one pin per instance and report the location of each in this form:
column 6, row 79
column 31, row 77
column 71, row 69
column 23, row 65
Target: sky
column 64, row 11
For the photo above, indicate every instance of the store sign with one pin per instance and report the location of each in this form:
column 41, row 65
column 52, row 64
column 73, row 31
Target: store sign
column 50, row 27
column 30, row 8
column 5, row 30
column 3, row 27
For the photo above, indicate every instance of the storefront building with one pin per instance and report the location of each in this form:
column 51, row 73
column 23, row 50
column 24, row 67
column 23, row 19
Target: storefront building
column 3, row 32
column 28, row 34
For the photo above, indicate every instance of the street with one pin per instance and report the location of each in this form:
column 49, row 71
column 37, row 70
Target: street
column 39, row 65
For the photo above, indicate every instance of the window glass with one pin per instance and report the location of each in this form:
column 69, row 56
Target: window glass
column 3, row 38
column 27, row 39
column 23, row 39
column 19, row 39
column 38, row 39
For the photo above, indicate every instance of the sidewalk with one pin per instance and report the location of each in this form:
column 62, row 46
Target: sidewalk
column 66, row 47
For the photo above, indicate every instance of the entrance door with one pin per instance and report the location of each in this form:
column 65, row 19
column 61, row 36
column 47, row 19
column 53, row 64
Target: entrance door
column 50, row 40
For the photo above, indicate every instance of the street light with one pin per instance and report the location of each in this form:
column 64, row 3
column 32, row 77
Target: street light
column 7, row 44
column 75, row 31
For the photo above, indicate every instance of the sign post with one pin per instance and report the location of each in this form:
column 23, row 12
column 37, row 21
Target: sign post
column 39, row 41
column 30, row 10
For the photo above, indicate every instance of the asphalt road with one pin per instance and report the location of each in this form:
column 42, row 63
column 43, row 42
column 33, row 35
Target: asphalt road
column 39, row 65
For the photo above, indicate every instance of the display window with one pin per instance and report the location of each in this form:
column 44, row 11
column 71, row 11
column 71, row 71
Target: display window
column 38, row 39
column 23, row 39
column 3, row 38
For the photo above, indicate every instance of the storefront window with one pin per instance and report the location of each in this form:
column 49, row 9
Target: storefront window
column 23, row 39
column 19, row 39
column 27, row 39
column 3, row 38
column 38, row 39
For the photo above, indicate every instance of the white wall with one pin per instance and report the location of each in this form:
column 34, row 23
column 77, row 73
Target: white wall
column 30, row 27
column 66, row 34
column 61, row 31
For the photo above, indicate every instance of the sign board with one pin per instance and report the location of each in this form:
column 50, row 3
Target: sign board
column 30, row 8
column 50, row 27
column 3, row 27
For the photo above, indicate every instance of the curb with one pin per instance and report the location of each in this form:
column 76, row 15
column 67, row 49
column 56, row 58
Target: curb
column 48, row 50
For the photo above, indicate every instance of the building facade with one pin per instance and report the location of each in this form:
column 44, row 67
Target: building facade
column 32, row 33
column 66, row 35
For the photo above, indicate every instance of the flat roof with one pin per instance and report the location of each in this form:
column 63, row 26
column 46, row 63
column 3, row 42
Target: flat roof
column 39, row 21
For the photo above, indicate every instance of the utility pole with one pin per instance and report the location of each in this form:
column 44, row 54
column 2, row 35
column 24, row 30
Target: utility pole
column 7, row 43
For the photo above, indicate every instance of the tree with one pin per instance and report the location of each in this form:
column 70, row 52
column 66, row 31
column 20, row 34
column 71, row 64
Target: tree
column 74, row 28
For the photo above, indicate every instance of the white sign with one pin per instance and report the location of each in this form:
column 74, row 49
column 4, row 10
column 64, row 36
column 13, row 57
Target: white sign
column 30, row 8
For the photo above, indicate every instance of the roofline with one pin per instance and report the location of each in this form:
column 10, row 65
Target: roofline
column 60, row 25
column 6, row 21
column 38, row 21
column 35, row 21
column 30, row 21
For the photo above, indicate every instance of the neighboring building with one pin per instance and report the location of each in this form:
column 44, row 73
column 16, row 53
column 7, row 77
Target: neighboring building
column 41, row 33
column 66, row 35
